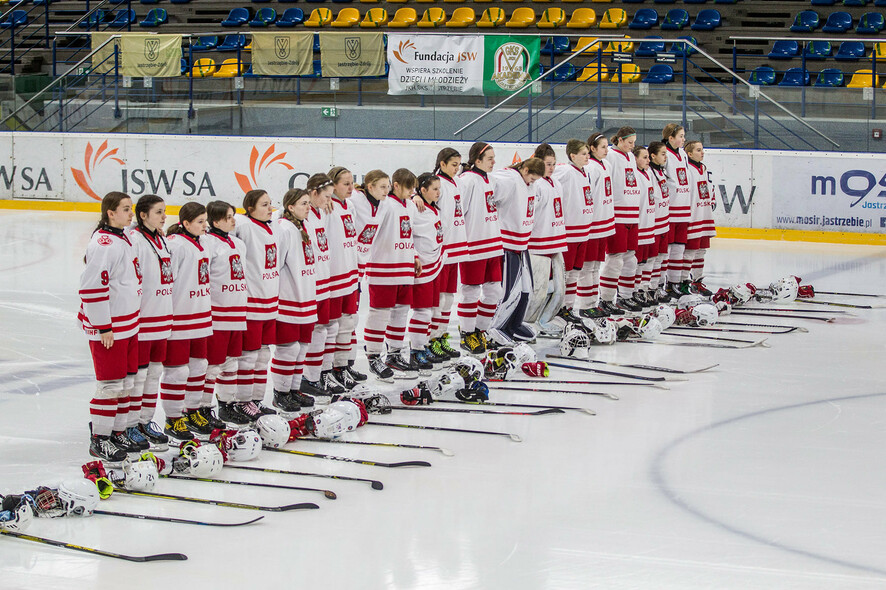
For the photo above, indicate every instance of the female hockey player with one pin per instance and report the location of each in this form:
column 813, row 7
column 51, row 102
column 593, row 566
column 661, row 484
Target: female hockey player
column 701, row 224
column 602, row 227
column 297, row 312
column 480, row 275
column 658, row 161
column 646, row 241
column 109, row 311
column 184, row 369
column 262, row 288
column 674, row 137
column 155, row 318
column 547, row 243
column 228, row 294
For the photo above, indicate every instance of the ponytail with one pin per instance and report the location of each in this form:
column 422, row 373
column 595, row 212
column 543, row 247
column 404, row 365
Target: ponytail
column 110, row 202
column 217, row 211
column 532, row 165
column 144, row 205
column 476, row 153
column 444, row 156
column 189, row 212
column 292, row 197
column 403, row 177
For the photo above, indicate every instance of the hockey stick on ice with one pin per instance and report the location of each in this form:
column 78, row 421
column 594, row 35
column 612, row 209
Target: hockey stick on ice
column 836, row 304
column 328, row 493
column 513, row 437
column 703, row 337
column 446, row 452
column 174, row 520
column 521, row 389
column 94, row 551
column 373, row 483
column 285, row 508
column 501, row 404
column 761, row 343
column 717, row 328
column 602, row 372
column 789, row 310
column 654, row 368
column 547, row 410
column 849, row 294
column 782, row 315
column 797, row 328
column 493, row 382
column 349, row 460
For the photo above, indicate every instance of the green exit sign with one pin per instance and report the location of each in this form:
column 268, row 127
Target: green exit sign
column 329, row 112
column 83, row 71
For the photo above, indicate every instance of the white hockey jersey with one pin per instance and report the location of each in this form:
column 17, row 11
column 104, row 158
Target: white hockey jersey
column 515, row 202
column 341, row 232
column 603, row 219
column 191, row 302
column 298, row 286
column 482, row 230
column 368, row 215
column 155, row 316
column 663, row 201
column 110, row 285
column 391, row 259
column 227, row 280
column 549, row 228
column 316, row 224
column 702, row 222
column 429, row 238
column 678, row 186
column 455, row 247
column 262, row 273
column 626, row 189
column 648, row 207
column 578, row 202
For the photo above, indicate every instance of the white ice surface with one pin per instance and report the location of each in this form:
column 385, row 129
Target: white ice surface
column 766, row 472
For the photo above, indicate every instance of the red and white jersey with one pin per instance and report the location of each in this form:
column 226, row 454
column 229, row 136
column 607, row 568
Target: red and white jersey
column 391, row 259
column 191, row 302
column 549, row 229
column 227, row 280
column 155, row 263
column 648, row 207
column 368, row 215
column 603, row 219
column 341, row 233
column 626, row 189
column 262, row 273
column 110, row 285
column 298, row 286
column 515, row 202
column 578, row 201
column 482, row 230
column 317, row 224
column 428, row 235
column 702, row 223
column 455, row 247
column 678, row 186
column 662, row 200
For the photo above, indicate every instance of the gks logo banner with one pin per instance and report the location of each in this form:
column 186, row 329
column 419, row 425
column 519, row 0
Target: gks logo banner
column 510, row 62
column 258, row 164
column 152, row 49
column 281, row 47
column 92, row 160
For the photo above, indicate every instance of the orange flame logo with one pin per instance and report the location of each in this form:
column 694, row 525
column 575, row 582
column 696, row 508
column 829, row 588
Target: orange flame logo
column 401, row 49
column 257, row 166
column 517, row 159
column 91, row 160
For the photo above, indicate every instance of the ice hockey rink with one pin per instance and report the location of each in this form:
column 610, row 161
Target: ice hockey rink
column 764, row 472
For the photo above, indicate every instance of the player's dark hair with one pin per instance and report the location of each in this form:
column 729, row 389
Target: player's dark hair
column 690, row 144
column 369, row 179
column 189, row 212
column 144, row 205
column 670, row 130
column 532, row 165
column 595, row 139
column 336, row 172
column 573, row 146
column 476, row 153
column 217, row 211
column 110, row 202
column 292, row 197
column 318, row 182
column 543, row 151
column 250, row 199
column 622, row 133
column 405, row 178
column 444, row 156
column 424, row 181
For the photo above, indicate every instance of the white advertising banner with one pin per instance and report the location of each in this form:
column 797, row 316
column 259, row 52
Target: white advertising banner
column 435, row 64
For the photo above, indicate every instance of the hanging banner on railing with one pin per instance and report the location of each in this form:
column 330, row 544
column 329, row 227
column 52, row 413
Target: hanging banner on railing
column 103, row 59
column 509, row 62
column 151, row 56
column 282, row 54
column 435, row 64
column 349, row 55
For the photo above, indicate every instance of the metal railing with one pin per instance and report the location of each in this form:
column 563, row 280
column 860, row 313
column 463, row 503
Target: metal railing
column 14, row 48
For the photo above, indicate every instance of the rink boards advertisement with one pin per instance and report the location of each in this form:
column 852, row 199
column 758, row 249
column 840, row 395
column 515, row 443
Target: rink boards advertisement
column 754, row 189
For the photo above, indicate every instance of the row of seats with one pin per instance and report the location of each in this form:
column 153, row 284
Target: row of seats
column 848, row 50
column 847, row 2
column 807, row 21
column 649, row 47
column 123, row 17
column 827, row 78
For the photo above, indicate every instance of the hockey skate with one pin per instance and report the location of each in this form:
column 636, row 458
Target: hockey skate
column 446, row 347
column 313, row 388
column 610, row 308
column 158, row 440
column 355, row 374
column 137, row 438
column 284, row 402
column 628, row 304
column 177, row 429
column 343, row 376
column 471, row 342
column 592, row 313
column 214, row 423
column 379, row 368
column 700, row 288
column 419, row 361
column 401, row 370
column 232, row 414
column 566, row 315
column 198, row 425
column 434, row 358
column 330, row 384
column 102, row 448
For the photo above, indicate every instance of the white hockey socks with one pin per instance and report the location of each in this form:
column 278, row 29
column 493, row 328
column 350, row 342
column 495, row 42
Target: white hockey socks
column 103, row 406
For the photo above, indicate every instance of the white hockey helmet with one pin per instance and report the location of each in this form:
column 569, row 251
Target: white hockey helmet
column 330, row 423
column 360, row 391
column 79, row 497
column 245, row 445
column 273, row 430
column 140, row 476
column 665, row 315
column 742, row 293
column 351, row 412
column 785, row 289
column 203, row 461
column 689, row 301
column 723, row 307
column 524, row 353
column 16, row 513
column 605, row 331
column 575, row 343
column 445, row 386
column 377, row 404
column 649, row 327
column 704, row 314
column 469, row 368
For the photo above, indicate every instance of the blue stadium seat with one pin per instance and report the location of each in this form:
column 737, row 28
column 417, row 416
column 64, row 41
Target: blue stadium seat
column 566, row 73
column 707, row 20
column 264, row 16
column 725, row 1
column 237, row 17
column 823, row 2
column 855, row 2
column 678, row 48
column 806, row 21
column 184, row 66
column 838, row 22
column 179, row 1
column 675, row 19
column 694, row 1
column 16, row 18
column 870, row 23
column 645, row 18
column 659, row 74
column 632, row 1
column 665, row 1
column 207, row 43
column 555, row 46
column 817, row 50
column 232, row 43
column 154, row 18
column 879, row 2
column 850, row 51
column 291, row 17
column 96, row 18
column 762, row 76
column 650, row 47
column 829, row 78
column 795, row 77
column 149, row 1
column 784, row 50
column 123, row 18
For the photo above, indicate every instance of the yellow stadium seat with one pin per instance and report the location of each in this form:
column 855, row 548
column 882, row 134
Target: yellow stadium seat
column 453, row 0
column 491, row 17
column 403, row 18
column 591, row 72
column 880, row 51
column 586, row 41
column 203, row 68
column 630, row 73
column 432, row 18
column 521, row 18
column 320, row 17
column 462, row 17
column 862, row 79
column 613, row 18
column 552, row 18
column 374, row 18
column 601, row 0
column 229, row 68
column 619, row 47
column 347, row 17
column 582, row 18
